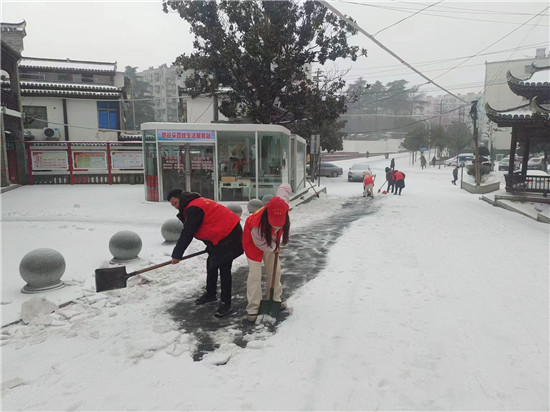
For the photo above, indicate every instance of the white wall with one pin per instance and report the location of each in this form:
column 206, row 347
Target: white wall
column 83, row 120
column 372, row 146
column 54, row 107
column 201, row 110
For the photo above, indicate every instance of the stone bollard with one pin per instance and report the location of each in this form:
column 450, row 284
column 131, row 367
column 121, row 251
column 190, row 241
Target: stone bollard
column 253, row 205
column 266, row 199
column 235, row 208
column 124, row 246
column 42, row 270
column 171, row 230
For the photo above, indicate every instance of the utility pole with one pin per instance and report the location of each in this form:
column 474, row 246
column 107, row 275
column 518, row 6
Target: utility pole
column 473, row 115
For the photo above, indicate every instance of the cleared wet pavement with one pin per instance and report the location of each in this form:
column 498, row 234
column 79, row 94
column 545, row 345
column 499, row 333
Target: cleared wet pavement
column 302, row 259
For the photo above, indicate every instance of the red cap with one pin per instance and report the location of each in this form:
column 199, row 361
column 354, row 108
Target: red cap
column 277, row 209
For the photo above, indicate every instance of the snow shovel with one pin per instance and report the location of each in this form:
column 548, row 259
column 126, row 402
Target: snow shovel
column 115, row 278
column 316, row 193
column 380, row 188
column 270, row 307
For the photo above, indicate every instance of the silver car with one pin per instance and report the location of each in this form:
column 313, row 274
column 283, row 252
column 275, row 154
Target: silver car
column 331, row 170
column 355, row 173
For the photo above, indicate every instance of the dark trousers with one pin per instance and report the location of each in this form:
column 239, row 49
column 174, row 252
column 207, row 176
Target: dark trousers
column 220, row 260
column 226, row 280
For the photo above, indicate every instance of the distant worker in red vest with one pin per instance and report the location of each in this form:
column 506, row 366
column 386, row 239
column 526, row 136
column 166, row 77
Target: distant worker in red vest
column 399, row 178
column 368, row 183
column 264, row 232
column 220, row 230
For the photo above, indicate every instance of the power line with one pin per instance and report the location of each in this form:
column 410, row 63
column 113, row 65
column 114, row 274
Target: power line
column 358, row 28
column 408, row 17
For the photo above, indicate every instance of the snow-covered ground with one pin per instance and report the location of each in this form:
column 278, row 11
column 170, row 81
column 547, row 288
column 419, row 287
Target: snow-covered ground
column 435, row 301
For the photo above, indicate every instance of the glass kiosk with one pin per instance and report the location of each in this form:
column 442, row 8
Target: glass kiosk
column 224, row 162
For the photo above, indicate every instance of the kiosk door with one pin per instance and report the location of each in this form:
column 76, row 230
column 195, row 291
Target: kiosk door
column 201, row 158
column 188, row 167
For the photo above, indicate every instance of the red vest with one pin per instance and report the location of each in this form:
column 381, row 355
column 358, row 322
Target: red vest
column 368, row 180
column 398, row 176
column 252, row 252
column 218, row 220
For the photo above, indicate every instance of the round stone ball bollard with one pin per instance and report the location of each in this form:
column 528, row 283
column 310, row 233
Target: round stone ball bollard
column 266, row 199
column 125, row 246
column 171, row 230
column 42, row 270
column 235, row 208
column 253, row 205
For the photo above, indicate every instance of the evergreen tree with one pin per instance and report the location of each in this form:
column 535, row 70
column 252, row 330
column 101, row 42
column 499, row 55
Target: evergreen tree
column 262, row 51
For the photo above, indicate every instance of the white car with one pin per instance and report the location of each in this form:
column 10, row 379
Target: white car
column 505, row 161
column 461, row 160
column 536, row 163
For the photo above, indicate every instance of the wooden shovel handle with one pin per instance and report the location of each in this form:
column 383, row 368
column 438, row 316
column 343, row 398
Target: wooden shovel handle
column 137, row 272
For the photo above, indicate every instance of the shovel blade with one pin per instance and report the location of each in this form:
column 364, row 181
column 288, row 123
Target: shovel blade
column 110, row 278
column 269, row 307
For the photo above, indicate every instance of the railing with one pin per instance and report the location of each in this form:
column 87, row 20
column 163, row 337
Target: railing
column 519, row 183
column 70, row 162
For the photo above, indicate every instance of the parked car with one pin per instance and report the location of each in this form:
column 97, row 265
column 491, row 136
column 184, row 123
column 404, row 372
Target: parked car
column 536, row 163
column 355, row 173
column 331, row 170
column 460, row 160
column 505, row 161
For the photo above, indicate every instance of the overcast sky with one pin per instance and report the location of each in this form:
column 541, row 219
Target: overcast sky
column 434, row 40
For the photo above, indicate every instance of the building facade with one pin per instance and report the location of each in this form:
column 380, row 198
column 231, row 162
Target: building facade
column 163, row 85
column 71, row 100
column 12, row 150
column 499, row 96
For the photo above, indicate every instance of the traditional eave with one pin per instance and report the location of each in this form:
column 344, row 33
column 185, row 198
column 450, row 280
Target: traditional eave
column 542, row 109
column 82, row 94
column 14, row 27
column 68, row 86
column 522, row 115
column 28, row 64
column 537, row 84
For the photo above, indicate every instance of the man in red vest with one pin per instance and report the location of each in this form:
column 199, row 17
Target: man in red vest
column 220, row 230
column 399, row 178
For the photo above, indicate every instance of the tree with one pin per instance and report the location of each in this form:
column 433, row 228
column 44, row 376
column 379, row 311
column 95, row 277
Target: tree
column 261, row 52
column 141, row 108
column 459, row 136
column 416, row 139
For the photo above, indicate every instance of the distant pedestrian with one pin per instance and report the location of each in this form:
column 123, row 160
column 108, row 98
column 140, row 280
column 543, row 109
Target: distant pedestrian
column 392, row 163
column 433, row 161
column 368, row 184
column 399, row 178
column 455, row 175
column 389, row 178
column 423, row 161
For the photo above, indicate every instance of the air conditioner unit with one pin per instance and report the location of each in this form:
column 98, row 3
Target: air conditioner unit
column 51, row 133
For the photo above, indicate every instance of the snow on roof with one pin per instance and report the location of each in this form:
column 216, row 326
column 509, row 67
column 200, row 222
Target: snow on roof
column 80, row 93
column 79, row 86
column 67, row 64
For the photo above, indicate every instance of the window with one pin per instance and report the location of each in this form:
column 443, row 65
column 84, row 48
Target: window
column 87, row 78
column 36, row 117
column 108, row 115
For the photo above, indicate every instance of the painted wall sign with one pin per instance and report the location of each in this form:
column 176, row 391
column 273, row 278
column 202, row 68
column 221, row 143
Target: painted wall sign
column 127, row 159
column 187, row 135
column 49, row 160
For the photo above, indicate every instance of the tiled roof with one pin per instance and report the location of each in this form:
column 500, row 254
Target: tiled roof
column 70, row 93
column 68, row 64
column 68, row 86
column 515, row 116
